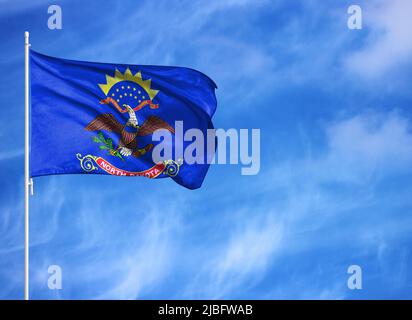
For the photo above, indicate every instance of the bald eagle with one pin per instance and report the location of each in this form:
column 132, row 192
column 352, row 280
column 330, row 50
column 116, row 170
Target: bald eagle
column 129, row 131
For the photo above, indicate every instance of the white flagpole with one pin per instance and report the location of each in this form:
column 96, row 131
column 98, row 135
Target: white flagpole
column 27, row 180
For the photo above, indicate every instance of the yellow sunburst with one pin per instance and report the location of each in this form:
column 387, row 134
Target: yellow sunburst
column 128, row 76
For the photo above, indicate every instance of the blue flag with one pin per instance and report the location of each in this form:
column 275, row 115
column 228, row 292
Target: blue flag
column 99, row 118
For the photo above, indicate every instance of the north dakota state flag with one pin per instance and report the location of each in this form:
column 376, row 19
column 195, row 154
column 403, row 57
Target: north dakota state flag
column 99, row 118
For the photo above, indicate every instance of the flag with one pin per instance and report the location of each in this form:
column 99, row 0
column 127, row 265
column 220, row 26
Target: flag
column 99, row 118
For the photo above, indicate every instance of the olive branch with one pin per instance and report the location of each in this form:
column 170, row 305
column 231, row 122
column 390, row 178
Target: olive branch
column 107, row 144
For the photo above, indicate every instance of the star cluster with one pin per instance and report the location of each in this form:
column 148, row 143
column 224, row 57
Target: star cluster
column 128, row 92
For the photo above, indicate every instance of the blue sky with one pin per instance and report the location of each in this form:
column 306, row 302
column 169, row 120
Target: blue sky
column 333, row 106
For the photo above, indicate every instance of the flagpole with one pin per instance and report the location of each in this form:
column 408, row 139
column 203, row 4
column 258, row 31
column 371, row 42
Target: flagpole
column 27, row 180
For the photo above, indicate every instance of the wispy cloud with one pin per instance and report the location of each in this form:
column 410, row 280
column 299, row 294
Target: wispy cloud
column 328, row 198
column 390, row 44
column 147, row 259
column 128, row 256
column 240, row 259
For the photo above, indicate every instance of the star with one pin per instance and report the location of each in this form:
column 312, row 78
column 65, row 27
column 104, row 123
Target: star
column 122, row 87
column 112, row 94
column 117, row 90
column 121, row 96
column 143, row 97
column 134, row 89
column 128, row 87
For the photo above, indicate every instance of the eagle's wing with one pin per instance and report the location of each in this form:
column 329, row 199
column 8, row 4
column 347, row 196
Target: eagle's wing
column 105, row 121
column 152, row 124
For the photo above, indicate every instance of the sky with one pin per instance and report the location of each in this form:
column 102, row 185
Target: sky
column 333, row 106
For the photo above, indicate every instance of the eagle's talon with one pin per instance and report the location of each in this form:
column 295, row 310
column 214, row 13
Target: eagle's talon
column 125, row 151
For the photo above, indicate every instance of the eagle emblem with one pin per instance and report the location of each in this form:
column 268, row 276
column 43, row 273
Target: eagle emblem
column 127, row 132
column 122, row 92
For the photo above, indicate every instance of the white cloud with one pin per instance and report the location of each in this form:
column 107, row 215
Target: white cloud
column 143, row 263
column 358, row 150
column 365, row 147
column 390, row 43
column 133, row 262
column 242, row 258
column 371, row 140
column 249, row 248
